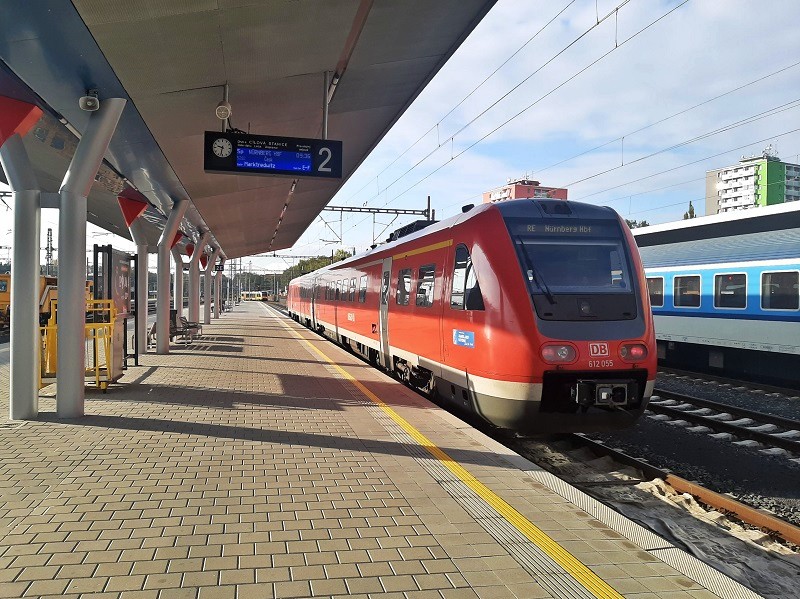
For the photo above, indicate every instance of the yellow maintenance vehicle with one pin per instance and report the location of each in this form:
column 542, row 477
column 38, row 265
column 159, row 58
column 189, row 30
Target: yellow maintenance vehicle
column 48, row 293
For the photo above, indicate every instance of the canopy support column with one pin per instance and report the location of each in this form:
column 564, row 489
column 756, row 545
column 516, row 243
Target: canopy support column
column 25, row 351
column 163, row 299
column 178, row 283
column 218, row 288
column 194, row 278
column 71, row 355
column 207, row 286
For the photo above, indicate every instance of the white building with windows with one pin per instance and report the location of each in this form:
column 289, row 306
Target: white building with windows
column 756, row 181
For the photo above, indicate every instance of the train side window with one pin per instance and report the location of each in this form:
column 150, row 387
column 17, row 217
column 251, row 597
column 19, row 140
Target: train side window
column 403, row 287
column 362, row 289
column 343, row 295
column 730, row 291
column 338, row 290
column 427, row 278
column 779, row 290
column 655, row 287
column 466, row 293
column 353, row 289
column 3, row 286
column 686, row 292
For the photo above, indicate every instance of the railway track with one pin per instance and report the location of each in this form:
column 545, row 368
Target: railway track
column 778, row 435
column 749, row 515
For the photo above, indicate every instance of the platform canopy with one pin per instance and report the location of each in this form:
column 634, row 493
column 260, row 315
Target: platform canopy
column 172, row 59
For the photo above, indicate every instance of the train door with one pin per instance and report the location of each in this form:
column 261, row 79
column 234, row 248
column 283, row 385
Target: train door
column 384, row 312
column 314, row 303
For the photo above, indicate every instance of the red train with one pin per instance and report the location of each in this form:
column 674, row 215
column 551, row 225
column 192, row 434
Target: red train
column 533, row 314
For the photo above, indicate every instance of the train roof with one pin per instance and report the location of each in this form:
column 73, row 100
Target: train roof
column 544, row 208
column 769, row 233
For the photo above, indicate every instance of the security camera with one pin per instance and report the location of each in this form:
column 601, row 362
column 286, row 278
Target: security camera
column 89, row 102
column 224, row 110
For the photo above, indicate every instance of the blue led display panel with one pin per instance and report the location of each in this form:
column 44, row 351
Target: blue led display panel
column 246, row 154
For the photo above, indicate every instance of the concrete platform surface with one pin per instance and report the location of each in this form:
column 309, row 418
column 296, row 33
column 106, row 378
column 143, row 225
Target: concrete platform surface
column 248, row 464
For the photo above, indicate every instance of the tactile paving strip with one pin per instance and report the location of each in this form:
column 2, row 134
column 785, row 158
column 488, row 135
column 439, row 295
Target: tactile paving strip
column 547, row 573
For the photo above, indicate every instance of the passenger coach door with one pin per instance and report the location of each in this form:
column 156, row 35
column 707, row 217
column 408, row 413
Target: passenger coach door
column 384, row 312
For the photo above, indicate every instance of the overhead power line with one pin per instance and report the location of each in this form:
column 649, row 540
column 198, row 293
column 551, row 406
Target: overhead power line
column 519, row 113
column 663, row 120
column 465, row 98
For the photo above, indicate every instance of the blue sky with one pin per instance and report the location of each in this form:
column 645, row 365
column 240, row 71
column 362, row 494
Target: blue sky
column 702, row 49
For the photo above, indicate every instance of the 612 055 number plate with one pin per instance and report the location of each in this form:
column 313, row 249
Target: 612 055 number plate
column 601, row 363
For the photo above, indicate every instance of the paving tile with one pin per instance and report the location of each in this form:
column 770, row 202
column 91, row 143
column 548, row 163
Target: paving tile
column 242, row 466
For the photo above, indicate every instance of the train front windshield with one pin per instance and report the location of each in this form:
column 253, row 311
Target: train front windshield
column 575, row 271
column 574, row 266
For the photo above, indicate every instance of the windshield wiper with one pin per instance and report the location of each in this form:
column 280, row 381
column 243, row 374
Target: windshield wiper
column 538, row 279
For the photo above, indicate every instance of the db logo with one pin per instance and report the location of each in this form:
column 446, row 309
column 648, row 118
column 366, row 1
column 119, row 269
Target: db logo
column 598, row 350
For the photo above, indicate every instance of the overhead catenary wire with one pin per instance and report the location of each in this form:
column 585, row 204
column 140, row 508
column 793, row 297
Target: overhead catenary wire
column 723, row 129
column 451, row 138
column 667, row 118
column 464, row 99
column 519, row 113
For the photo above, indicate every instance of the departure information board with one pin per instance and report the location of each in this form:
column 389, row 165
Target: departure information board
column 245, row 154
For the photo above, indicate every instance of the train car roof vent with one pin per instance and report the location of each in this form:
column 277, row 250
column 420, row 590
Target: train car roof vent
column 555, row 207
column 467, row 207
column 417, row 225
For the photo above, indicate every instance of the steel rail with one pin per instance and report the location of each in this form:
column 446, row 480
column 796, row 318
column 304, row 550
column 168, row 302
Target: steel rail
column 747, row 514
column 762, row 417
column 741, row 431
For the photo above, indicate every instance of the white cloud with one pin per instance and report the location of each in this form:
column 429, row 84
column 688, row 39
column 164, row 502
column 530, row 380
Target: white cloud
column 699, row 51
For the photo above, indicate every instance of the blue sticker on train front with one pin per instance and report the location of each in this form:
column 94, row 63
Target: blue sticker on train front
column 463, row 338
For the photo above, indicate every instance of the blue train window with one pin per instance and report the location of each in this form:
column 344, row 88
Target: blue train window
column 655, row 287
column 730, row 291
column 779, row 291
column 686, row 292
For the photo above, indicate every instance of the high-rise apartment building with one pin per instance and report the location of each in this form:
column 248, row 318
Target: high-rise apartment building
column 756, row 181
column 521, row 189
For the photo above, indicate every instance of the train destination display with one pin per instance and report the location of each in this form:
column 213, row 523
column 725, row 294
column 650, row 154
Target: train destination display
column 246, row 154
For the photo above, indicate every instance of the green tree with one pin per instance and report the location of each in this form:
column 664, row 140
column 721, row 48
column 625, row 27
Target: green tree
column 690, row 213
column 637, row 223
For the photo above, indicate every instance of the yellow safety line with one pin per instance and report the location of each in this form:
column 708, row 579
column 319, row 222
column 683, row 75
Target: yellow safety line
column 591, row 581
column 422, row 250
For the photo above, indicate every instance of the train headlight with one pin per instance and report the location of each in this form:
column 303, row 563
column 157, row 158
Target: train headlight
column 633, row 352
column 559, row 354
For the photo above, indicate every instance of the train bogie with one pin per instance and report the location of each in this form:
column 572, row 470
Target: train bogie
column 530, row 315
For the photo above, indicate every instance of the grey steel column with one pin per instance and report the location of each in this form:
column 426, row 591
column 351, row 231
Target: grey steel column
column 162, row 298
column 25, row 339
column 218, row 288
column 178, row 283
column 194, row 279
column 142, row 294
column 207, row 286
column 70, row 375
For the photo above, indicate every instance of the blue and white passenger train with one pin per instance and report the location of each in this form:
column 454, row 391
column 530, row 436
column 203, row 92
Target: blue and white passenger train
column 725, row 293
